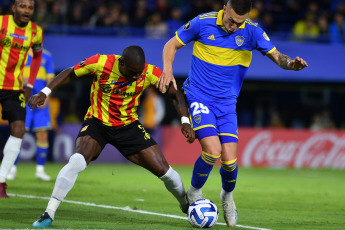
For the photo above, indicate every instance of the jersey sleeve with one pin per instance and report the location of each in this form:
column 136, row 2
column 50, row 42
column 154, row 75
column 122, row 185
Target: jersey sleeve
column 262, row 42
column 189, row 31
column 87, row 66
column 154, row 76
column 38, row 40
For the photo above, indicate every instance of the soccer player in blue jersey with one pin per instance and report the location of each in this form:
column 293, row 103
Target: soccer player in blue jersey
column 222, row 52
column 38, row 120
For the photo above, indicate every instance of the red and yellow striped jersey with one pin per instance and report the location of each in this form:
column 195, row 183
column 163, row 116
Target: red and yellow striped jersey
column 114, row 100
column 15, row 43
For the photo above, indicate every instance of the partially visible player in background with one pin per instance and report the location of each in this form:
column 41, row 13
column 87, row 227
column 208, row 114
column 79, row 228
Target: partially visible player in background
column 222, row 52
column 38, row 120
column 17, row 35
column 112, row 118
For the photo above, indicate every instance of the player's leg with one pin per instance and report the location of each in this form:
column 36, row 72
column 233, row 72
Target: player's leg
column 228, row 136
column 139, row 147
column 40, row 124
column 41, row 154
column 204, row 124
column 153, row 160
column 13, row 109
column 89, row 145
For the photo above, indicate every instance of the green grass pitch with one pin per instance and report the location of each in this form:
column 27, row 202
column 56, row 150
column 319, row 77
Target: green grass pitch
column 265, row 198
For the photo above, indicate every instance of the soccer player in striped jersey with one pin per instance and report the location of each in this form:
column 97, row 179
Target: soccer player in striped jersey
column 222, row 52
column 17, row 35
column 112, row 118
column 38, row 120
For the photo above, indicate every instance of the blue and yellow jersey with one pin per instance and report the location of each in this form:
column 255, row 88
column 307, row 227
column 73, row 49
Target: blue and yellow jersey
column 45, row 73
column 220, row 60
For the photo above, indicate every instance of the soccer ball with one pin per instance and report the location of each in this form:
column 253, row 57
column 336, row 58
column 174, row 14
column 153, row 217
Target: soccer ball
column 203, row 213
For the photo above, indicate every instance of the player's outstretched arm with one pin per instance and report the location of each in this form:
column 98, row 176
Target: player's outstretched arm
column 167, row 76
column 182, row 109
column 62, row 78
column 285, row 61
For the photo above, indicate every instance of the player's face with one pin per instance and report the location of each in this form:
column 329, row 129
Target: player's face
column 131, row 72
column 231, row 20
column 23, row 11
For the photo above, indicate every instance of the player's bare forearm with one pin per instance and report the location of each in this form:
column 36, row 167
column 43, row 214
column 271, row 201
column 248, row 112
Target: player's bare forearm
column 179, row 101
column 285, row 61
column 62, row 78
column 280, row 59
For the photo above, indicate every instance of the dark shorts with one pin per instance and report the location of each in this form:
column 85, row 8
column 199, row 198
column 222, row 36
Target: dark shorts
column 129, row 139
column 13, row 105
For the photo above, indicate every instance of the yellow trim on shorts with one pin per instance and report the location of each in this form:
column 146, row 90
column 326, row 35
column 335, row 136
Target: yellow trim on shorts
column 228, row 134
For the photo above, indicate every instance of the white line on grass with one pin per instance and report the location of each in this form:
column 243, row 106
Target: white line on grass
column 125, row 209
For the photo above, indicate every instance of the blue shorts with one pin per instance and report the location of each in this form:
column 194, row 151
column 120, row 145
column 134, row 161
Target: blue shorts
column 37, row 119
column 213, row 119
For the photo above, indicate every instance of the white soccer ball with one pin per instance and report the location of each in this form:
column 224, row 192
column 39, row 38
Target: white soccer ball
column 203, row 213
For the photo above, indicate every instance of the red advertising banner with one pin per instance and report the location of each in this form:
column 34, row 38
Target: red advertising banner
column 268, row 148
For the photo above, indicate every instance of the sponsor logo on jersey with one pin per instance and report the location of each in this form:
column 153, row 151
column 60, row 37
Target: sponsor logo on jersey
column 18, row 36
column 239, row 40
column 211, row 37
column 107, row 88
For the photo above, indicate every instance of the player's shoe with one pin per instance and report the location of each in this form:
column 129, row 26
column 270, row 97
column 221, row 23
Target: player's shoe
column 12, row 174
column 184, row 207
column 44, row 221
column 42, row 175
column 192, row 196
column 229, row 210
column 3, row 193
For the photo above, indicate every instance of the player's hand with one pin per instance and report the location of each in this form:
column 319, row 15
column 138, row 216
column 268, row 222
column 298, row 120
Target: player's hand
column 27, row 92
column 297, row 64
column 164, row 81
column 37, row 100
column 188, row 132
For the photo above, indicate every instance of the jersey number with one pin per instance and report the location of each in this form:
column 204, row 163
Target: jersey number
column 199, row 108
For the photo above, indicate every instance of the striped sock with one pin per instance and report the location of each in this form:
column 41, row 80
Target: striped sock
column 228, row 172
column 202, row 168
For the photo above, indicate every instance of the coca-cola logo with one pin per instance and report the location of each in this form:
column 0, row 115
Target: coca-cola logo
column 312, row 150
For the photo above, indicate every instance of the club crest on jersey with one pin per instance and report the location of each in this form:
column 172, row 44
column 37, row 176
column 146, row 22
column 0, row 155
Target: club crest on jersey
column 186, row 26
column 197, row 119
column 239, row 40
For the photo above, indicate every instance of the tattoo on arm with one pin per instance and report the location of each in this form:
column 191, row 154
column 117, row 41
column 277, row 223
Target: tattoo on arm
column 284, row 61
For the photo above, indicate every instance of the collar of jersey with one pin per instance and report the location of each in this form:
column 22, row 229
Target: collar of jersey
column 220, row 21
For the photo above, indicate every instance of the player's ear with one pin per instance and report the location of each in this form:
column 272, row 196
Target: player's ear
column 121, row 61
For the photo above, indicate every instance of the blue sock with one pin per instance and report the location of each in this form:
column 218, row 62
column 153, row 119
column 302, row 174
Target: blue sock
column 41, row 152
column 202, row 168
column 228, row 172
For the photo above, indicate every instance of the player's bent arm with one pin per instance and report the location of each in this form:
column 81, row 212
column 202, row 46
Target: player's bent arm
column 285, row 61
column 167, row 76
column 62, row 78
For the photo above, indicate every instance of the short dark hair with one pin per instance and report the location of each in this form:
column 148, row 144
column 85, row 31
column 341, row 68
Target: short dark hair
column 133, row 55
column 240, row 7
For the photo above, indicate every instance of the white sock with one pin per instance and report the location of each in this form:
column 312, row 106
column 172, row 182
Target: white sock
column 224, row 195
column 195, row 190
column 65, row 181
column 39, row 168
column 174, row 184
column 11, row 152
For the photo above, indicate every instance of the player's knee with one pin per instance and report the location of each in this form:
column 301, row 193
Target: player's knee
column 77, row 162
column 18, row 130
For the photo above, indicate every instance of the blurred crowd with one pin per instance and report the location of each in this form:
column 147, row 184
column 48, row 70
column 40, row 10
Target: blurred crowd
column 311, row 20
